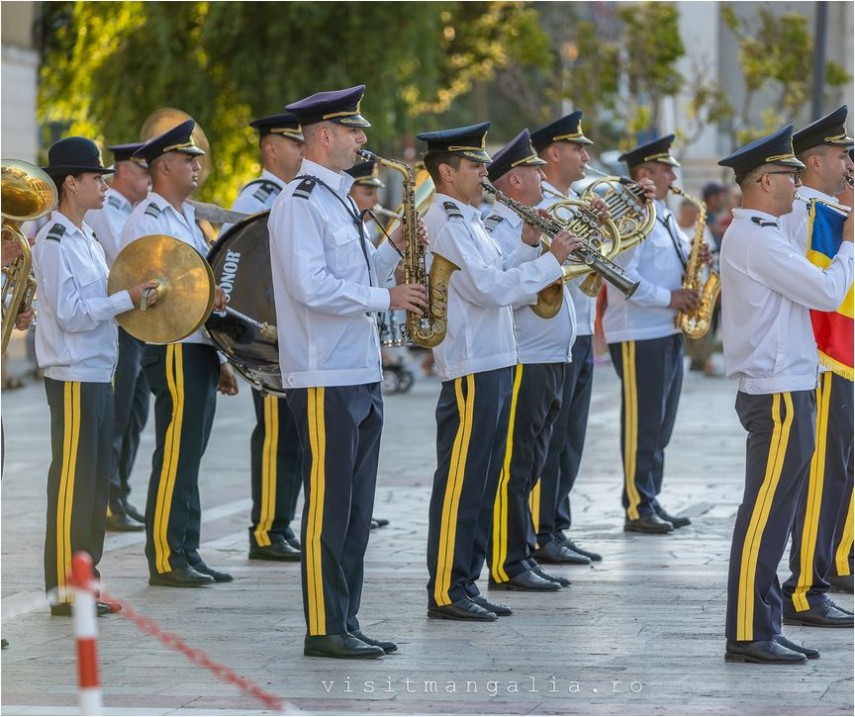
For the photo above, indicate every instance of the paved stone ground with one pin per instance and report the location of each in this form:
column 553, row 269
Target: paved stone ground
column 640, row 633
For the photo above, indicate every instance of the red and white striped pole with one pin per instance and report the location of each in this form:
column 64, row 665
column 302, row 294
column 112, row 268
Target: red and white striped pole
column 86, row 634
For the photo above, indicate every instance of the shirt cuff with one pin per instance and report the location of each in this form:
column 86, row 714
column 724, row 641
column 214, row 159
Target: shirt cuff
column 121, row 302
column 663, row 296
column 379, row 299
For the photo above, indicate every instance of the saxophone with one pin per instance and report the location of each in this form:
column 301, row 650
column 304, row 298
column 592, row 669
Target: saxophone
column 696, row 323
column 426, row 330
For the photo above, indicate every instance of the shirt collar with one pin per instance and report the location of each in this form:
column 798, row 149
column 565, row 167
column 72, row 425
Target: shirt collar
column 508, row 214
column 469, row 212
column 339, row 181
column 57, row 217
column 121, row 198
column 811, row 193
column 188, row 212
column 268, row 176
column 749, row 213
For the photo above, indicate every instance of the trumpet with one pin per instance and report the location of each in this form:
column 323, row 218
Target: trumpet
column 842, row 208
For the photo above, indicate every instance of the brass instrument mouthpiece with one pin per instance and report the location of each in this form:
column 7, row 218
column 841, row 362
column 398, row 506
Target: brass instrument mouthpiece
column 366, row 155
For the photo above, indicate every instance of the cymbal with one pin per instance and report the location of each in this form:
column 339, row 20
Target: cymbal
column 164, row 119
column 186, row 292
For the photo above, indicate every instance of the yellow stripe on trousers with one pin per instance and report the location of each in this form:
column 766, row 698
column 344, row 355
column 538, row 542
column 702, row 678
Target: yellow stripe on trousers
column 760, row 515
column 267, row 511
column 534, row 505
column 454, row 485
column 499, row 537
column 317, row 491
column 813, row 496
column 630, row 428
column 67, row 476
column 174, row 369
column 841, row 555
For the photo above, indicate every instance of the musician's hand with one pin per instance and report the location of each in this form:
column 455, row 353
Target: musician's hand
column 412, row 297
column 399, row 236
column 598, row 204
column 683, row 300
column 219, row 299
column 705, row 255
column 24, row 319
column 845, row 197
column 11, row 251
column 530, row 235
column 648, row 187
column 227, row 384
column 137, row 293
column 563, row 244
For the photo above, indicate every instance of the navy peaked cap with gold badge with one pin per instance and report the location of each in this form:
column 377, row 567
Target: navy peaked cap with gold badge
column 177, row 139
column 566, row 129
column 468, row 142
column 516, row 153
column 830, row 129
column 286, row 123
column 775, row 148
column 124, row 152
column 341, row 106
column 366, row 173
column 659, row 150
column 75, row 155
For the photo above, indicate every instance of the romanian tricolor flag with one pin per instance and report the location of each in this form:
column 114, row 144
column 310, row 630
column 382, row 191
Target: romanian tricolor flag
column 832, row 329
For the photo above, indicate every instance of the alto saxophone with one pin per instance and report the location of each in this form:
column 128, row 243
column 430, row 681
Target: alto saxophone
column 428, row 329
column 696, row 322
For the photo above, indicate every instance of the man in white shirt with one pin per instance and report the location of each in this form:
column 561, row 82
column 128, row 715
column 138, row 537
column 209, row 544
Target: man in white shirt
column 128, row 187
column 646, row 345
column 768, row 289
column 823, row 147
column 328, row 284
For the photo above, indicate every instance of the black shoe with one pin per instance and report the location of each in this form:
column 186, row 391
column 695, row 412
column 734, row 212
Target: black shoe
column 590, row 554
column 64, row 609
column 823, row 615
column 761, row 651
column 133, row 512
column 555, row 552
column 4, row 643
column 678, row 521
column 808, row 652
column 216, row 574
column 466, row 609
column 344, row 646
column 291, row 539
column 839, row 607
column 381, row 522
column 648, row 524
column 563, row 582
column 122, row 523
column 840, row 583
column 185, row 577
column 281, row 551
column 498, row 608
column 528, row 580
column 384, row 645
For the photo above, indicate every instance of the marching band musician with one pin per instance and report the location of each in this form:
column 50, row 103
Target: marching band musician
column 127, row 188
column 366, row 193
column 768, row 289
column 562, row 145
column 77, row 347
column 475, row 363
column 328, row 283
column 184, row 377
column 274, row 445
column 823, row 147
column 646, row 345
column 543, row 346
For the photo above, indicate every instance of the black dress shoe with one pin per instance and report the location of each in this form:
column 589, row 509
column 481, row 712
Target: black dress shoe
column 678, row 521
column 344, row 646
column 381, row 522
column 216, row 574
column 465, row 609
column 840, row 583
column 555, row 552
column 529, row 580
column 648, row 524
column 563, row 582
column 290, row 538
column 133, row 512
column 281, row 551
column 761, row 651
column 590, row 554
column 185, row 577
column 823, row 615
column 498, row 608
column 4, row 643
column 384, row 645
column 64, row 609
column 838, row 607
column 122, row 523
column 808, row 652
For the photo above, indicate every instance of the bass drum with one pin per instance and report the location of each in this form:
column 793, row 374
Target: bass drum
column 246, row 331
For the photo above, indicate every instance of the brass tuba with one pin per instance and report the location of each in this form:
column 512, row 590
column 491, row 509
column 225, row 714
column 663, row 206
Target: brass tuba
column 426, row 330
column 27, row 193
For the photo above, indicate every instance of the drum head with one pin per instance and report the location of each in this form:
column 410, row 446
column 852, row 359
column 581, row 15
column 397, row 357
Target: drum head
column 240, row 260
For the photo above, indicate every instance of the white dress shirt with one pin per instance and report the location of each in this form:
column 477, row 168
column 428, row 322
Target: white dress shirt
column 326, row 295
column 107, row 223
column 76, row 334
column 256, row 196
column 155, row 215
column 538, row 340
column 768, row 287
column 480, row 333
column 656, row 264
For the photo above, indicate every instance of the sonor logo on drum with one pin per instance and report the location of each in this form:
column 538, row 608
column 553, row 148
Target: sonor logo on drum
column 230, row 267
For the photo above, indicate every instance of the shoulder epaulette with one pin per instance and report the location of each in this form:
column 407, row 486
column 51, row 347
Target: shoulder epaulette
column 114, row 202
column 492, row 221
column 304, row 189
column 56, row 232
column 452, row 210
column 763, row 222
column 265, row 189
column 153, row 210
